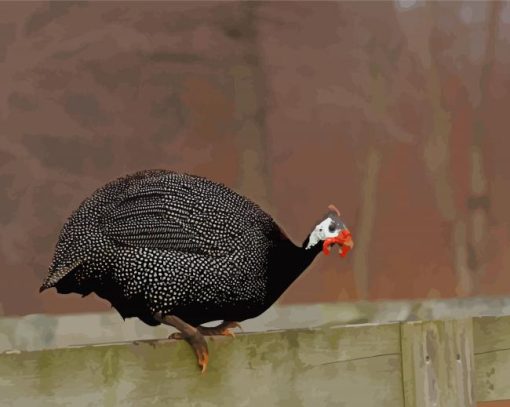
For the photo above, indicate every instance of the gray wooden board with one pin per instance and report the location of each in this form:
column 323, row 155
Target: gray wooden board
column 342, row 366
column 492, row 357
column 493, row 375
column 438, row 365
column 37, row 332
column 357, row 365
column 491, row 333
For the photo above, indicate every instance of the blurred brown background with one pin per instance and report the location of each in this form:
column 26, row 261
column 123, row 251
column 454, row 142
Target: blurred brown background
column 394, row 111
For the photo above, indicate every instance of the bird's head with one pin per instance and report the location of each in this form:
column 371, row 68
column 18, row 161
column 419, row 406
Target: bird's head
column 330, row 231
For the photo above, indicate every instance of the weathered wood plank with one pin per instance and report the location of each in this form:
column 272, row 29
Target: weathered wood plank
column 37, row 332
column 492, row 357
column 348, row 366
column 491, row 333
column 493, row 375
column 360, row 365
column 438, row 364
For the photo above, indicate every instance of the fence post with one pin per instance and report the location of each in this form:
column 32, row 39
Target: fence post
column 438, row 363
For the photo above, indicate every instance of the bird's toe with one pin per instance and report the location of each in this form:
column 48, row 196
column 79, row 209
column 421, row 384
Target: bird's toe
column 199, row 345
column 223, row 329
column 236, row 325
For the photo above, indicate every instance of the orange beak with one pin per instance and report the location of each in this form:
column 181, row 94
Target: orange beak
column 344, row 240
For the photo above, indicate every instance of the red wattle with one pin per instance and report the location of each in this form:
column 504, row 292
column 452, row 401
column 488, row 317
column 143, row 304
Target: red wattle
column 341, row 239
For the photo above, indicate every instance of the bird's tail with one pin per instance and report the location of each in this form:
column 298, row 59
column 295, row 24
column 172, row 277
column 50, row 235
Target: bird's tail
column 56, row 275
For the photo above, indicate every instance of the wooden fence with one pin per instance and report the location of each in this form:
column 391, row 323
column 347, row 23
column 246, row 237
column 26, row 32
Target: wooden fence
column 449, row 363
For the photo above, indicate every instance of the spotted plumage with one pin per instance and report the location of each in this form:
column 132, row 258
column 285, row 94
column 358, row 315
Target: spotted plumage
column 176, row 244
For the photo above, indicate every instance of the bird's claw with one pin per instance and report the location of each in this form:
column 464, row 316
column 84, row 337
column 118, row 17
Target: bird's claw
column 236, row 325
column 228, row 332
column 195, row 337
column 199, row 345
column 221, row 330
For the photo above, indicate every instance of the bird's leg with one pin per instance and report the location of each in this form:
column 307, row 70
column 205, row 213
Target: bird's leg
column 191, row 334
column 222, row 329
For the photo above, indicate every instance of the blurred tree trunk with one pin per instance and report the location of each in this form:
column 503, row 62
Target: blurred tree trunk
column 378, row 98
column 437, row 157
column 478, row 202
column 470, row 232
column 249, row 91
column 365, row 227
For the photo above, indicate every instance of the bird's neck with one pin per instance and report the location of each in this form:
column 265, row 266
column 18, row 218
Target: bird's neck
column 287, row 262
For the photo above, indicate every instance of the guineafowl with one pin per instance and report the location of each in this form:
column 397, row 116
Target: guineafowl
column 182, row 250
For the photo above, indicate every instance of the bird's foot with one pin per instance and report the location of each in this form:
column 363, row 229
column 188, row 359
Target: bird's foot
column 189, row 334
column 199, row 345
column 220, row 330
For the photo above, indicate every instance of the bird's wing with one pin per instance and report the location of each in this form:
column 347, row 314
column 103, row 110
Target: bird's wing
column 162, row 216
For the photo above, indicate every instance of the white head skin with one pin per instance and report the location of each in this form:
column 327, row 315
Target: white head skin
column 328, row 228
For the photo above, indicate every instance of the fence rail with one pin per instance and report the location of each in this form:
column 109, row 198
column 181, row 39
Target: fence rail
column 432, row 363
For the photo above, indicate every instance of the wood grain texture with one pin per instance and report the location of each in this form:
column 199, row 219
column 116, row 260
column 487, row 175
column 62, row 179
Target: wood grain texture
column 492, row 357
column 493, row 375
column 438, row 364
column 424, row 363
column 343, row 367
column 491, row 333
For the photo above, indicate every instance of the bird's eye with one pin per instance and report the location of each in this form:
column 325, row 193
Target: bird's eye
column 332, row 227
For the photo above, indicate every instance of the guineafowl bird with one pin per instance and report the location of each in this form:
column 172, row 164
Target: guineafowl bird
column 182, row 250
